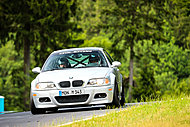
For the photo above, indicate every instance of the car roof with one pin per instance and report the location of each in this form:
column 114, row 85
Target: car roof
column 78, row 49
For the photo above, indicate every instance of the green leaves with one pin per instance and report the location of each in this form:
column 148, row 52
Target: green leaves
column 37, row 26
column 181, row 23
column 12, row 78
column 148, row 28
column 145, row 32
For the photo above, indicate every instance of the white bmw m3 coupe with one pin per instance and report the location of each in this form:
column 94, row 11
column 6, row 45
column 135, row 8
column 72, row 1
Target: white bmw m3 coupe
column 73, row 77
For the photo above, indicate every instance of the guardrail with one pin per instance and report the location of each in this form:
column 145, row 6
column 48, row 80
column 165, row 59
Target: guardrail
column 6, row 112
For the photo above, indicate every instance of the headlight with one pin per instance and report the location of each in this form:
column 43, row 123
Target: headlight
column 45, row 85
column 98, row 81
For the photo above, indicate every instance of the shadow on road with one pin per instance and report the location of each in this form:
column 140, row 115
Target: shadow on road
column 78, row 109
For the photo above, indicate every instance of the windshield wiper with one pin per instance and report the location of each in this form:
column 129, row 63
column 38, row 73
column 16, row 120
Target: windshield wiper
column 88, row 66
column 81, row 67
column 53, row 69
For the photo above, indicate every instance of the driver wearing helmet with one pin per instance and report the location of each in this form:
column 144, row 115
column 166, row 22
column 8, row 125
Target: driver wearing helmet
column 63, row 62
column 93, row 61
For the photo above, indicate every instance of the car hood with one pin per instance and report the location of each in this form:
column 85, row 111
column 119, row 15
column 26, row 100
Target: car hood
column 73, row 74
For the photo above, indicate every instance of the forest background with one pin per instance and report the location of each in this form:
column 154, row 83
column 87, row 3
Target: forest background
column 151, row 38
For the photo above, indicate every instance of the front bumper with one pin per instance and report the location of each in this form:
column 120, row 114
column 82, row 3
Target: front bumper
column 89, row 96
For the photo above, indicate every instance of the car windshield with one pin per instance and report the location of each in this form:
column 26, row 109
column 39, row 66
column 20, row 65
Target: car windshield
column 75, row 59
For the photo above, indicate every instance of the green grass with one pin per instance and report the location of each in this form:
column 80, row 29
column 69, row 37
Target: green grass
column 168, row 113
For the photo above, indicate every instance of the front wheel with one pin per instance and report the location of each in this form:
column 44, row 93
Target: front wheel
column 116, row 102
column 35, row 110
column 122, row 101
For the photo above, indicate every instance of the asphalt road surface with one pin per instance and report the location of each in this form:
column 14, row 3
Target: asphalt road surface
column 62, row 116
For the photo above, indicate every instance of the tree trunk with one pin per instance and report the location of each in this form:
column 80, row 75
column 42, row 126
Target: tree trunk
column 26, row 72
column 132, row 54
column 26, row 57
column 131, row 72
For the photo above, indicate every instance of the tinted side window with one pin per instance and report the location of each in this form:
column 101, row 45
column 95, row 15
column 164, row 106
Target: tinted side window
column 109, row 57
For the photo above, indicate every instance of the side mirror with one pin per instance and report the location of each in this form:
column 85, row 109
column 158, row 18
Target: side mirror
column 36, row 70
column 116, row 64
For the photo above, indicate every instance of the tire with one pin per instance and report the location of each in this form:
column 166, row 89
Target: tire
column 35, row 110
column 116, row 102
column 122, row 101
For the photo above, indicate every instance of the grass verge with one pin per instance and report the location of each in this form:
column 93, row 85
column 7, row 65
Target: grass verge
column 168, row 113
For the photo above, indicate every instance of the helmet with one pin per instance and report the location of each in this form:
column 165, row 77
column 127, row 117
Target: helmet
column 63, row 62
column 93, row 58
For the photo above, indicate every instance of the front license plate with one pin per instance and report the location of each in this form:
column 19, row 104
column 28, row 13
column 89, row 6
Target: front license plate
column 71, row 92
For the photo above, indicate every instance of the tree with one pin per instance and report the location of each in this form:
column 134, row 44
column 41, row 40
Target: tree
column 11, row 76
column 125, row 22
column 181, row 22
column 38, row 24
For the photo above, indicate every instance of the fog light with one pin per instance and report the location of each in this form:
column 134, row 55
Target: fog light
column 44, row 99
column 100, row 95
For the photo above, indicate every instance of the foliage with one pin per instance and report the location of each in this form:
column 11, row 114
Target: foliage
column 126, row 23
column 45, row 25
column 150, row 38
column 145, row 72
column 12, row 78
column 176, row 88
column 37, row 27
column 99, row 41
column 174, row 66
column 181, row 23
column 161, row 69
